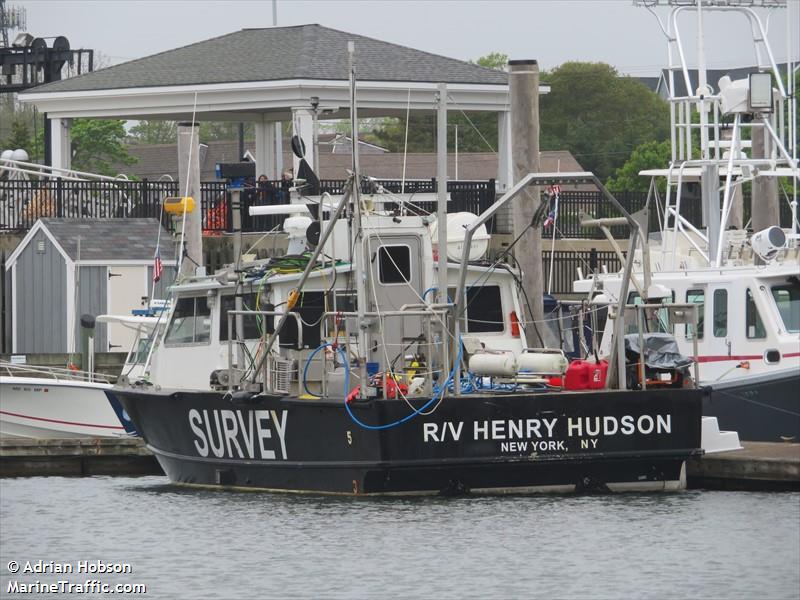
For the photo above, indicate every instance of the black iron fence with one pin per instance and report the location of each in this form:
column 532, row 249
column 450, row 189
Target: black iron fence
column 571, row 205
column 565, row 265
column 23, row 202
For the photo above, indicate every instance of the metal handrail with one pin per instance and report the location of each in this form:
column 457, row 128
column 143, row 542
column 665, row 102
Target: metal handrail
column 55, row 373
column 266, row 313
column 677, row 316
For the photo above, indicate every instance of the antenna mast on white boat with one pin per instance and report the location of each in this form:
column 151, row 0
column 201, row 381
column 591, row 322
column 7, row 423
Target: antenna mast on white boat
column 734, row 99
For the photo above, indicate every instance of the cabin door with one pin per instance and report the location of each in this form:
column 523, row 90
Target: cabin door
column 720, row 321
column 126, row 288
column 396, row 272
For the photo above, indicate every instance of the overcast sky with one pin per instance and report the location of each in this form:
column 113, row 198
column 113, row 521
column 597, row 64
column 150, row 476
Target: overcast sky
column 552, row 31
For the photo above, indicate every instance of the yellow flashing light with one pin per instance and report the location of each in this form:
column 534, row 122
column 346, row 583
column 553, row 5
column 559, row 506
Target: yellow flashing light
column 177, row 205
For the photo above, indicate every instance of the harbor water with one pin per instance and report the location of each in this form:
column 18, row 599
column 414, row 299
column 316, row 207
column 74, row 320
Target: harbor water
column 191, row 543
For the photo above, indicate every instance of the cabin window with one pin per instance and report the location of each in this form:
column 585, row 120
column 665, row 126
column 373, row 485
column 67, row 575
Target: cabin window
column 252, row 324
column 655, row 320
column 394, row 264
column 787, row 299
column 346, row 302
column 754, row 327
column 138, row 356
column 311, row 307
column 696, row 297
column 720, row 313
column 191, row 322
column 484, row 309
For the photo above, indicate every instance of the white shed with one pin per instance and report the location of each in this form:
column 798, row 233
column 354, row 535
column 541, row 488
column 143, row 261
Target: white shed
column 64, row 268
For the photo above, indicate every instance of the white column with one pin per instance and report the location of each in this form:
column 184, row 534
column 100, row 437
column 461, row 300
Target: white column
column 60, row 136
column 505, row 171
column 278, row 149
column 265, row 149
column 303, row 126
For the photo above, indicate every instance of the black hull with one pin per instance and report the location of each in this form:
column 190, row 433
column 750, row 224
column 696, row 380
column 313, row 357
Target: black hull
column 762, row 408
column 501, row 443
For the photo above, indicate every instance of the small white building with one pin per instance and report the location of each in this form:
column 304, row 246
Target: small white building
column 65, row 268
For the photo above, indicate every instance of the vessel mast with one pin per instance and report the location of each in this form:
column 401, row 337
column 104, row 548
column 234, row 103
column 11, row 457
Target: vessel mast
column 356, row 231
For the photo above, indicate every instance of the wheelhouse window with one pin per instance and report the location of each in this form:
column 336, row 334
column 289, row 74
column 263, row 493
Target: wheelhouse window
column 754, row 326
column 484, row 309
column 394, row 264
column 252, row 324
column 720, row 313
column 696, row 297
column 191, row 322
column 787, row 299
column 655, row 319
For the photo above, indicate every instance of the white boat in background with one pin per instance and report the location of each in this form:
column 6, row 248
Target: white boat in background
column 745, row 278
column 49, row 402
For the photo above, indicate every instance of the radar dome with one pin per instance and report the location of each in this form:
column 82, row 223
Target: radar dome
column 19, row 154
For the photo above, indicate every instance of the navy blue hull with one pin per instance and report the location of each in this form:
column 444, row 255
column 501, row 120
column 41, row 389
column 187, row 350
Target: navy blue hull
column 760, row 409
column 510, row 442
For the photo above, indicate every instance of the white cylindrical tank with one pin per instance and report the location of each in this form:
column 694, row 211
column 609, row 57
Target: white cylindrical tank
column 493, row 364
column 543, row 363
column 457, row 224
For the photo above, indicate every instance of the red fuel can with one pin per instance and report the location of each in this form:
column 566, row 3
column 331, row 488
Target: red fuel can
column 597, row 375
column 577, row 375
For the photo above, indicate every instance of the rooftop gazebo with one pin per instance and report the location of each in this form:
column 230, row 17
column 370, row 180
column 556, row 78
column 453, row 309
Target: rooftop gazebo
column 265, row 76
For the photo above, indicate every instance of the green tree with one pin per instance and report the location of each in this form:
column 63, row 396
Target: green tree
column 97, row 144
column 166, row 132
column 19, row 137
column 224, row 130
column 649, row 155
column 154, row 132
column 493, row 60
column 598, row 115
column 477, row 131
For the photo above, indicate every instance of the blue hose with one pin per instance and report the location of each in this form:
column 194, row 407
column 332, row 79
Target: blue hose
column 436, row 396
column 468, row 384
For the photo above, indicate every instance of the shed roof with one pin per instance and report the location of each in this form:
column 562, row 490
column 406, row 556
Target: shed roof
column 110, row 239
column 280, row 53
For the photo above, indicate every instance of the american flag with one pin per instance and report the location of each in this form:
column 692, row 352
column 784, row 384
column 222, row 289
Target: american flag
column 553, row 214
column 158, row 266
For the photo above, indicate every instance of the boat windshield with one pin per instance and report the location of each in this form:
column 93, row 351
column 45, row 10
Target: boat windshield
column 191, row 322
column 787, row 299
column 139, row 354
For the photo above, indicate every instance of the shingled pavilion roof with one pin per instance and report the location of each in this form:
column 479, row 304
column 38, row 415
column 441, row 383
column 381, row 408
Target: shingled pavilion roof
column 278, row 53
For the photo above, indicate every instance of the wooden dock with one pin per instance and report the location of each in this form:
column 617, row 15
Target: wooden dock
column 758, row 466
column 20, row 457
